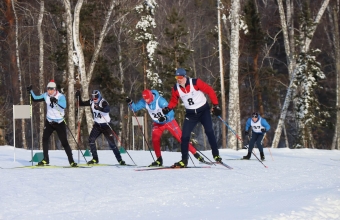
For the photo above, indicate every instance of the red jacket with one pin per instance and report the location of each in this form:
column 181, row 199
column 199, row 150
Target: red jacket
column 198, row 85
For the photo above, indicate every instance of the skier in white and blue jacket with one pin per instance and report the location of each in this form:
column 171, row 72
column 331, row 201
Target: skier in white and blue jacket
column 56, row 104
column 259, row 127
column 153, row 103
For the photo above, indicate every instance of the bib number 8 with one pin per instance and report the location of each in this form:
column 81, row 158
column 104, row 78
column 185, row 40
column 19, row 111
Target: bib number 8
column 190, row 101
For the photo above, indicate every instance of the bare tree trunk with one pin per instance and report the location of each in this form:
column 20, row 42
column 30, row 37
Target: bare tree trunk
column 335, row 30
column 234, row 108
column 71, row 79
column 17, row 54
column 290, row 90
column 224, row 112
column 41, row 70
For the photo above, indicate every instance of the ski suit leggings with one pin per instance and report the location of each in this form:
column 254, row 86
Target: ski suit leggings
column 173, row 128
column 104, row 129
column 60, row 128
column 256, row 138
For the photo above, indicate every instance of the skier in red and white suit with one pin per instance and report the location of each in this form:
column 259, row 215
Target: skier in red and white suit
column 154, row 103
column 191, row 91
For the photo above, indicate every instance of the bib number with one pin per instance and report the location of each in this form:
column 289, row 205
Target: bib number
column 190, row 101
column 157, row 115
column 97, row 115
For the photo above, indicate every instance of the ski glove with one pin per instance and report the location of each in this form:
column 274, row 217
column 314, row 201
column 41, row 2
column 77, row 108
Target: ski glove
column 78, row 93
column 166, row 110
column 29, row 88
column 128, row 100
column 162, row 118
column 246, row 133
column 97, row 107
column 53, row 100
column 216, row 110
column 263, row 129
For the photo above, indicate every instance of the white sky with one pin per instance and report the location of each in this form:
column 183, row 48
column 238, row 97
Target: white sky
column 298, row 184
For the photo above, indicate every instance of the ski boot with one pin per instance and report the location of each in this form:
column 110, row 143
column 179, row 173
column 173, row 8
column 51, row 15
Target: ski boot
column 94, row 160
column 44, row 162
column 180, row 164
column 157, row 163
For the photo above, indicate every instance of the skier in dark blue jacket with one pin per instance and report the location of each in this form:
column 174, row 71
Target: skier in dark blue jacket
column 259, row 127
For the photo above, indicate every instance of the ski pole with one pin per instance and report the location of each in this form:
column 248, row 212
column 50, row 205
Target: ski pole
column 268, row 147
column 31, row 126
column 118, row 139
column 253, row 151
column 238, row 137
column 71, row 133
column 141, row 130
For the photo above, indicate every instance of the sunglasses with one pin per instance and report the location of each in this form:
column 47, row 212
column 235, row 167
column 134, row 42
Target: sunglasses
column 179, row 77
column 50, row 88
column 96, row 96
column 254, row 116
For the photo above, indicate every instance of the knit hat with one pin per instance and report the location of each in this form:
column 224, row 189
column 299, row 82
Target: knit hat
column 51, row 84
column 180, row 72
column 147, row 96
column 255, row 115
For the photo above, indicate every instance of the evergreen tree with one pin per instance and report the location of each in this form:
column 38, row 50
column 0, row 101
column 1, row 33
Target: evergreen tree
column 176, row 53
column 145, row 36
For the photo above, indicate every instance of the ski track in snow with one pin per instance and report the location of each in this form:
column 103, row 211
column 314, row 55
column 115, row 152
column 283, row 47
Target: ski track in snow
column 298, row 184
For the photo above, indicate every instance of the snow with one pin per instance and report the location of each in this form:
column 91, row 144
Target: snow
column 298, row 184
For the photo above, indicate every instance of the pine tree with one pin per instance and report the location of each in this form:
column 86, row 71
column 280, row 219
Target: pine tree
column 176, row 53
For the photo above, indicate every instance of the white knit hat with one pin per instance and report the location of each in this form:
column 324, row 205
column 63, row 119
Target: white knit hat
column 51, row 84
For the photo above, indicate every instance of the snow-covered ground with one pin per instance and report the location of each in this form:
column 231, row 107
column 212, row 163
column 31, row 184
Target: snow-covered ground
column 298, row 184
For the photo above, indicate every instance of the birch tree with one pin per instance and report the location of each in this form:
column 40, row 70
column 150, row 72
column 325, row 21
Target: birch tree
column 41, row 69
column 17, row 55
column 234, row 100
column 70, row 70
column 334, row 42
column 305, row 48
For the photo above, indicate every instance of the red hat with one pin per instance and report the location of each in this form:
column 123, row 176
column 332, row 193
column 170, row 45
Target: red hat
column 147, row 96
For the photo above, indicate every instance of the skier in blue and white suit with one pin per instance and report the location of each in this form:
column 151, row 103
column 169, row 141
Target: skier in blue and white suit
column 56, row 104
column 154, row 103
column 259, row 127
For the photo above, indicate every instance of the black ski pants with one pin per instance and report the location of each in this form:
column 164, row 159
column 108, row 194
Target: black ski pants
column 60, row 128
column 256, row 138
column 191, row 119
column 104, row 129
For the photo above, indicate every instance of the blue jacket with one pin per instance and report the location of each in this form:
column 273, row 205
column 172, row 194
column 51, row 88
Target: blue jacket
column 161, row 102
column 264, row 124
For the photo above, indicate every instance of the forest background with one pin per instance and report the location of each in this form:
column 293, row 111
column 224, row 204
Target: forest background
column 279, row 58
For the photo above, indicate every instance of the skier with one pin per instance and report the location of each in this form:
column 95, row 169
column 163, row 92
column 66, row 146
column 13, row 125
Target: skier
column 153, row 102
column 191, row 91
column 56, row 104
column 259, row 127
column 101, row 109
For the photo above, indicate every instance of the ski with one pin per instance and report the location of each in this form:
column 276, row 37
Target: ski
column 105, row 165
column 221, row 163
column 167, row 168
column 48, row 167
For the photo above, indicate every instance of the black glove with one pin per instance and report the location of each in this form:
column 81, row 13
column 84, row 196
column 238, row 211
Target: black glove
column 128, row 100
column 246, row 133
column 78, row 93
column 161, row 119
column 216, row 110
column 166, row 110
column 97, row 107
column 29, row 88
column 53, row 100
column 263, row 129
